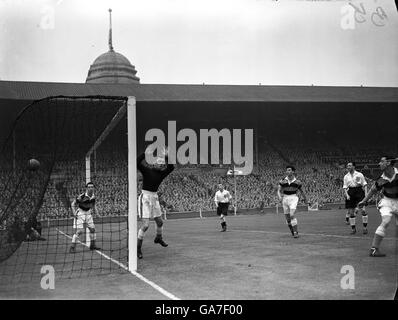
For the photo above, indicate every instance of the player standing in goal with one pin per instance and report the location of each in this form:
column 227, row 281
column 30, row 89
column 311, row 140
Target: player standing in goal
column 387, row 183
column 82, row 207
column 148, row 201
column 222, row 199
column 287, row 193
column 355, row 190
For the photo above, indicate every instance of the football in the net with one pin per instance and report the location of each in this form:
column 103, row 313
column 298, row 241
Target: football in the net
column 33, row 164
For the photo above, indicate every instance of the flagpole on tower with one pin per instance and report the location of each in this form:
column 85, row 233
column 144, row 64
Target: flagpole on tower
column 110, row 30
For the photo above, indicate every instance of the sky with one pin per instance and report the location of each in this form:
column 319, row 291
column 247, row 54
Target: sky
column 243, row 42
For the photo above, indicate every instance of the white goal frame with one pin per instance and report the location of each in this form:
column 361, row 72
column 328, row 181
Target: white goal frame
column 130, row 109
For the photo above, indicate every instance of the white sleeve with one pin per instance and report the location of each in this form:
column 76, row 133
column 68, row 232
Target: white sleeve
column 364, row 183
column 345, row 184
column 215, row 197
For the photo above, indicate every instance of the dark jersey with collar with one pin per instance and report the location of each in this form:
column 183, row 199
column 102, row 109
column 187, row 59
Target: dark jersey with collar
column 389, row 188
column 85, row 202
column 152, row 177
column 290, row 188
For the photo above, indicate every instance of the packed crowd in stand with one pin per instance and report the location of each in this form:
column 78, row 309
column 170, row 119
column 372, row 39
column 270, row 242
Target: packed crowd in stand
column 191, row 188
column 320, row 166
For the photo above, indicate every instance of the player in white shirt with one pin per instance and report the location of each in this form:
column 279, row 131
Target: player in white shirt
column 222, row 199
column 355, row 190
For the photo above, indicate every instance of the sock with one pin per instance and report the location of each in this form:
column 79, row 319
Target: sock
column 352, row 223
column 289, row 223
column 294, row 224
column 377, row 241
column 141, row 234
column 378, row 238
column 92, row 239
column 159, row 231
column 365, row 221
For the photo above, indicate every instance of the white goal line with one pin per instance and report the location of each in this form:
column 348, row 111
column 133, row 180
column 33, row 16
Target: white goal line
column 138, row 275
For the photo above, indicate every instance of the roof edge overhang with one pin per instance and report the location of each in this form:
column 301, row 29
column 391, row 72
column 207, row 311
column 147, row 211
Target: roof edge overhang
column 30, row 90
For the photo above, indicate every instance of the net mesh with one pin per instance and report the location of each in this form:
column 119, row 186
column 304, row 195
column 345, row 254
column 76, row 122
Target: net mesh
column 36, row 218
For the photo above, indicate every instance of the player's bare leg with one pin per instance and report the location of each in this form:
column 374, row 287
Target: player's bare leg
column 141, row 234
column 159, row 232
column 223, row 223
column 93, row 237
column 379, row 236
column 75, row 239
column 352, row 221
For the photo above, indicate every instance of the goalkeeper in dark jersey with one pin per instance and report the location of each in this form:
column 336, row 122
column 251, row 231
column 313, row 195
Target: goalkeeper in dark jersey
column 148, row 201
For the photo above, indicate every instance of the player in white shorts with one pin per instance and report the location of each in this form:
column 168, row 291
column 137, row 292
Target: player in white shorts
column 287, row 193
column 149, row 205
column 355, row 189
column 148, row 201
column 387, row 183
column 82, row 208
column 222, row 199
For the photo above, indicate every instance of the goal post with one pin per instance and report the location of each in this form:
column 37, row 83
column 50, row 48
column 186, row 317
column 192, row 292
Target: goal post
column 132, row 183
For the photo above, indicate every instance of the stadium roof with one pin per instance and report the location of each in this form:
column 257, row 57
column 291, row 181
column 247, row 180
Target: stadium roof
column 21, row 90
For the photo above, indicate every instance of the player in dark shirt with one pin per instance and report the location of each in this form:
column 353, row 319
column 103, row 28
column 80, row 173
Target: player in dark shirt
column 387, row 183
column 82, row 208
column 148, row 201
column 153, row 174
column 287, row 193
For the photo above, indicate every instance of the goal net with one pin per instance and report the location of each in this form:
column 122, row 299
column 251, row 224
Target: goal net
column 75, row 140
